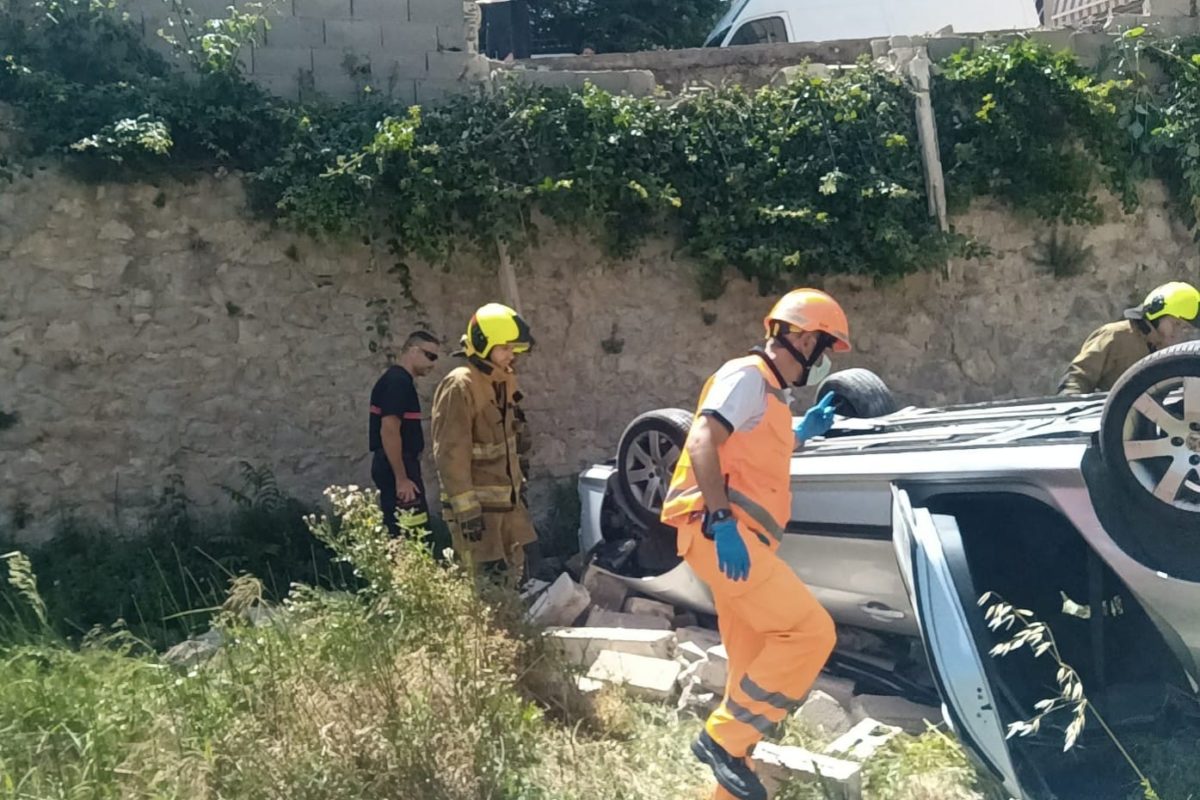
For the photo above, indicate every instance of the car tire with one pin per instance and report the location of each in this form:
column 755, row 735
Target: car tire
column 646, row 458
column 1149, row 448
column 858, row 393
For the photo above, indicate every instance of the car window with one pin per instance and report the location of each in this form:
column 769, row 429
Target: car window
column 761, row 31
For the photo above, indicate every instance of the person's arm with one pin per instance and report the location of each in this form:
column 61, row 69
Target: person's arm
column 703, row 443
column 393, row 448
column 452, row 427
column 1083, row 375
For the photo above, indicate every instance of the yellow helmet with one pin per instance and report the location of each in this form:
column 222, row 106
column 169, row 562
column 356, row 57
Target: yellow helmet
column 494, row 325
column 1176, row 299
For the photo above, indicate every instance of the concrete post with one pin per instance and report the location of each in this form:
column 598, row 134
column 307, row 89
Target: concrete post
column 935, row 183
column 508, row 278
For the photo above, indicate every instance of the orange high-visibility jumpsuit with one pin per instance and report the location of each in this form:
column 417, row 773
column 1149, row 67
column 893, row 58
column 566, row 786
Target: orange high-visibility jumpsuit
column 777, row 635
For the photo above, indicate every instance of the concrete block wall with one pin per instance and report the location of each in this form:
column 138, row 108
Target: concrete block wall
column 412, row 51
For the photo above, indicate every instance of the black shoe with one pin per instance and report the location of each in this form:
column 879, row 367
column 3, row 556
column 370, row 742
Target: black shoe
column 733, row 774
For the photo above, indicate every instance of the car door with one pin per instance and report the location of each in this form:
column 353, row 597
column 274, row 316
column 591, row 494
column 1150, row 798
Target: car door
column 925, row 546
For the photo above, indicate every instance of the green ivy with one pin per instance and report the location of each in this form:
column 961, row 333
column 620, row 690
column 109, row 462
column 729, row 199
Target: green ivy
column 817, row 177
column 1032, row 128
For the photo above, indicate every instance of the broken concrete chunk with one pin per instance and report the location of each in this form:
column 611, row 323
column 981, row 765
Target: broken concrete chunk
column 583, row 645
column 702, row 636
column 695, row 699
column 607, row 590
column 776, row 765
column 840, row 689
column 589, row 685
column 561, row 604
column 648, row 678
column 692, row 652
column 863, row 741
column 685, row 620
column 825, row 714
column 532, row 588
column 603, row 618
column 714, row 672
column 643, row 605
column 904, row 714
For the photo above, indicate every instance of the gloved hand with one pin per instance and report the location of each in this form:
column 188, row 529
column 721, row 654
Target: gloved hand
column 472, row 529
column 732, row 556
column 817, row 421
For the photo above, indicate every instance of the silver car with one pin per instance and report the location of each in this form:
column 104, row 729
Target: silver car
column 1083, row 510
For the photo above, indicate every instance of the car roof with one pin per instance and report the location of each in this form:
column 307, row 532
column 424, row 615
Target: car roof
column 1002, row 424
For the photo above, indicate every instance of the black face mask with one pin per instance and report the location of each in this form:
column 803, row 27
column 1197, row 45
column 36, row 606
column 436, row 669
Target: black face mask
column 824, row 342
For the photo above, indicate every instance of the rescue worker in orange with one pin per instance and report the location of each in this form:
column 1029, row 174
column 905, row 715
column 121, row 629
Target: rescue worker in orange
column 475, row 446
column 730, row 500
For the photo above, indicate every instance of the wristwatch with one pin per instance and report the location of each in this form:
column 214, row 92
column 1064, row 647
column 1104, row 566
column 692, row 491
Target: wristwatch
column 720, row 515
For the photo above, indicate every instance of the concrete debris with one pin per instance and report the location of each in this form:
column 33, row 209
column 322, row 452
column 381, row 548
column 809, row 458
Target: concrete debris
column 685, row 620
column 692, row 652
column 589, row 685
column 825, row 714
column 702, row 636
column 194, row 652
column 695, row 699
column 863, row 741
column 690, row 674
column 603, row 618
column 607, row 590
column 644, row 605
column 648, row 678
column 775, row 765
column 561, row 604
column 532, row 588
column 582, row 646
column 714, row 672
column 904, row 714
column 840, row 689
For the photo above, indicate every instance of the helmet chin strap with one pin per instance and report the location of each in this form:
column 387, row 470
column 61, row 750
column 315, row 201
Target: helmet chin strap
column 806, row 362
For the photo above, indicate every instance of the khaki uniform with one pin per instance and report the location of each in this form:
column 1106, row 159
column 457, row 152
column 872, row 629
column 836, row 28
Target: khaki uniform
column 1106, row 355
column 475, row 449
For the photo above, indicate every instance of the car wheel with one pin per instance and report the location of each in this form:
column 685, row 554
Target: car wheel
column 646, row 459
column 858, row 393
column 1150, row 435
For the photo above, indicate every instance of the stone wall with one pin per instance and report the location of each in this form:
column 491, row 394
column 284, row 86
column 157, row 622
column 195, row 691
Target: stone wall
column 150, row 331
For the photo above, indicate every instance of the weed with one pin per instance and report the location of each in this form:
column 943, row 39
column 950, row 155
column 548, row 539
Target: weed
column 233, row 309
column 292, row 253
column 9, row 419
column 613, row 345
column 1062, row 254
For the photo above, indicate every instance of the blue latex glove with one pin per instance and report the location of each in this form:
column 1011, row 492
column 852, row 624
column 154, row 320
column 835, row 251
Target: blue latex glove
column 732, row 556
column 817, row 421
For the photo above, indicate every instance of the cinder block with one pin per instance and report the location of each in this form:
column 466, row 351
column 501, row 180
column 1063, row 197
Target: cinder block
column 380, row 10
column 603, row 618
column 654, row 608
column 648, row 678
column 1090, row 48
column 439, row 12
column 904, row 714
column 282, row 60
column 434, row 92
column 692, row 652
column 942, row 47
column 338, row 86
column 454, row 38
column 583, row 645
column 685, row 620
column 607, row 590
column 775, row 765
column 637, row 83
column 409, row 37
column 296, row 32
column 714, row 673
column 704, row 637
column 322, row 9
column 826, row 714
column 840, row 689
column 863, row 741
column 353, row 34
column 1056, row 40
column 561, row 604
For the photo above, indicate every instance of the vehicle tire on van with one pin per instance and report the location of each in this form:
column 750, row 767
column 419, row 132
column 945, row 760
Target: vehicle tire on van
column 1150, row 436
column 858, row 393
column 646, row 457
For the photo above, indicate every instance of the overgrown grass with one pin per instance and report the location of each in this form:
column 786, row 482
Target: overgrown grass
column 417, row 683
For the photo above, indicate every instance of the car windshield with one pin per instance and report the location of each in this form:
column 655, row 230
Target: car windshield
column 721, row 30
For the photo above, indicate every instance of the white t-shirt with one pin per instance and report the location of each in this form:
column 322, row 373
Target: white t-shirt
column 738, row 396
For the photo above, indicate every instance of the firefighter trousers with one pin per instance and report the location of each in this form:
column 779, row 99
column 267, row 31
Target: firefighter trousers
column 777, row 636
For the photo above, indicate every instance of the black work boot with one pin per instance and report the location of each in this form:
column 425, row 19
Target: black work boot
column 733, row 774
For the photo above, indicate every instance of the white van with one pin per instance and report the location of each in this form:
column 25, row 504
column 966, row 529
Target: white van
column 770, row 21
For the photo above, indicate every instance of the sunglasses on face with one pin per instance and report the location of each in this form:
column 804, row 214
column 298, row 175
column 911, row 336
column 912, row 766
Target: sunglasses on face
column 429, row 355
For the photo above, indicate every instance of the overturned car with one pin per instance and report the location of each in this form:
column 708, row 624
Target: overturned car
column 1082, row 511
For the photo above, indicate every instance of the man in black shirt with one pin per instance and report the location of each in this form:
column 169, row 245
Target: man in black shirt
column 396, row 437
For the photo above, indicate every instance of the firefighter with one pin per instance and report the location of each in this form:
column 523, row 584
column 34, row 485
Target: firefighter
column 475, row 446
column 729, row 500
column 1167, row 316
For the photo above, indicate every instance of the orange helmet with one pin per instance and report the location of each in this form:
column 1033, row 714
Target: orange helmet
column 810, row 310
